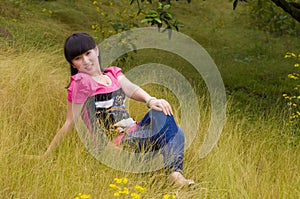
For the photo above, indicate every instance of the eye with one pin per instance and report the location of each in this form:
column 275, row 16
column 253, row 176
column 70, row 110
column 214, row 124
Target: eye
column 77, row 58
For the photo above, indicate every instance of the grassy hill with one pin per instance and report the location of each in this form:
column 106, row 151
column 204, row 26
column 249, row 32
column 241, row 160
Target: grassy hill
column 257, row 156
column 251, row 61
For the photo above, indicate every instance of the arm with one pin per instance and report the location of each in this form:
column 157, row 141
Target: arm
column 137, row 93
column 73, row 112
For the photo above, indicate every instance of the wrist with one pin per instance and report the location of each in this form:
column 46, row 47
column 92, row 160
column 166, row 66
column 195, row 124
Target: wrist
column 149, row 100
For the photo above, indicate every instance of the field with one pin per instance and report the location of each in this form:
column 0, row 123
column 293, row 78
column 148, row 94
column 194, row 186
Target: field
column 257, row 155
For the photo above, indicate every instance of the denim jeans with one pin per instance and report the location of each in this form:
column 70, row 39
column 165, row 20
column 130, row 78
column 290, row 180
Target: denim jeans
column 157, row 132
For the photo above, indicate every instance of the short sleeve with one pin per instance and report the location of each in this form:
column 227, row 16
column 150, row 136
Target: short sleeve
column 79, row 89
column 114, row 71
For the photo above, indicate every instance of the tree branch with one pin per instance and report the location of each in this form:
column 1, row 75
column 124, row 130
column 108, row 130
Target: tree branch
column 291, row 8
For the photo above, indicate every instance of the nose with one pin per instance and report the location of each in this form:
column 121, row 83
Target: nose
column 85, row 59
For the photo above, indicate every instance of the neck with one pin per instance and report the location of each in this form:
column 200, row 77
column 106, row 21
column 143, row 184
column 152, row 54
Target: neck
column 97, row 73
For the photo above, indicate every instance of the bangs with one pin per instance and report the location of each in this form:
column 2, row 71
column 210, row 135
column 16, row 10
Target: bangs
column 78, row 44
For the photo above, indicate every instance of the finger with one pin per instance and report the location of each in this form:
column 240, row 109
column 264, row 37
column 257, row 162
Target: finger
column 169, row 110
column 166, row 110
column 157, row 108
column 160, row 105
column 166, row 107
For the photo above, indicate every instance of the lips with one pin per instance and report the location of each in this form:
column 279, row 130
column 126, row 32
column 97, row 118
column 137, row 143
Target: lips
column 88, row 67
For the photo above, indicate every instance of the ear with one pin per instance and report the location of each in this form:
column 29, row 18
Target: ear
column 97, row 50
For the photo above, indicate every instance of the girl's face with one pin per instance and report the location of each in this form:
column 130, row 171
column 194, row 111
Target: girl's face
column 88, row 62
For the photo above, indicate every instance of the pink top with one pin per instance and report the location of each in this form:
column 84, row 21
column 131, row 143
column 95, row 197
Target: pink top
column 82, row 86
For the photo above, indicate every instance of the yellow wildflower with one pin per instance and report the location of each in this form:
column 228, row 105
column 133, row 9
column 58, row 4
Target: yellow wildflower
column 139, row 188
column 82, row 196
column 44, row 10
column 125, row 180
column 169, row 196
column 95, row 2
column 85, row 196
column 289, row 55
column 116, row 194
column 118, row 180
column 296, row 65
column 113, row 186
column 123, row 41
column 125, row 191
column 292, row 76
column 135, row 196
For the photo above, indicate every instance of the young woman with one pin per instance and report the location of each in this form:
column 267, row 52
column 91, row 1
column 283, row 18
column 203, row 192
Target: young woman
column 102, row 92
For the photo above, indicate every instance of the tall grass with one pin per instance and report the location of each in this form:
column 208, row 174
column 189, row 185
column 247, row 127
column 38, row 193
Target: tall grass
column 255, row 157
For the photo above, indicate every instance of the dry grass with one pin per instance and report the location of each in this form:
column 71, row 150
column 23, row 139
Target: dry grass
column 255, row 158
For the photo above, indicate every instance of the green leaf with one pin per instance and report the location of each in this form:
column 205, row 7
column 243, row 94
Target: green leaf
column 147, row 20
column 167, row 6
column 158, row 20
column 153, row 12
column 169, row 15
column 160, row 5
column 151, row 16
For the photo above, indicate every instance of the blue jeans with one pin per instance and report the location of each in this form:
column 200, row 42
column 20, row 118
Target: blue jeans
column 159, row 132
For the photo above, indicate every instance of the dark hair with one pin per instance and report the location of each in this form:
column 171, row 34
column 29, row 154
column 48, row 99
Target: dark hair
column 77, row 44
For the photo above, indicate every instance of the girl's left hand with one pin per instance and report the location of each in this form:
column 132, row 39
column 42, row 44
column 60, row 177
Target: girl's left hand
column 161, row 105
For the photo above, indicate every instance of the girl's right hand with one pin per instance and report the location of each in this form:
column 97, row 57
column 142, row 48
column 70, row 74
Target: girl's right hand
column 161, row 105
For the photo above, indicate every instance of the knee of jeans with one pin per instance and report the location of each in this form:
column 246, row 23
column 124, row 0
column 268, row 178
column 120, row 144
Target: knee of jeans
column 159, row 119
column 157, row 114
column 176, row 136
column 180, row 135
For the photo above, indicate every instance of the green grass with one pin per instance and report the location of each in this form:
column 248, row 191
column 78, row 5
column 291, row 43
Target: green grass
column 257, row 156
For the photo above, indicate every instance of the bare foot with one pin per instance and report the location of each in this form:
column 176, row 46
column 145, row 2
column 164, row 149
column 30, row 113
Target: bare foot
column 178, row 179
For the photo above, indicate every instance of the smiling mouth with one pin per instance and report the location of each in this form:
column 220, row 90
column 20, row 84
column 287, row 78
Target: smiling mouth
column 88, row 67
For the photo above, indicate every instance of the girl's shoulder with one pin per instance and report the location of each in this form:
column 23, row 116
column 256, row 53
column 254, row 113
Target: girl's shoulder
column 79, row 88
column 114, row 71
column 80, row 77
column 81, row 80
